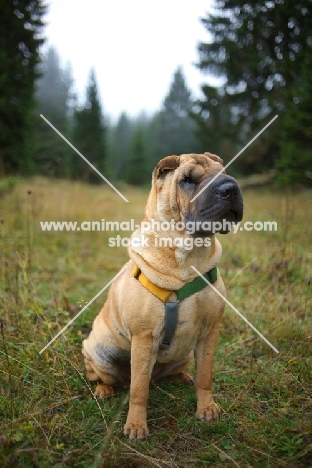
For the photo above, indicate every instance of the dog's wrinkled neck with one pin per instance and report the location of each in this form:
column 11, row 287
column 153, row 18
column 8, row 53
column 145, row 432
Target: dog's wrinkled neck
column 185, row 255
column 173, row 267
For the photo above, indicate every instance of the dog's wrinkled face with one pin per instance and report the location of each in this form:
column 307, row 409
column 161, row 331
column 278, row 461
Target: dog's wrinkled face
column 184, row 177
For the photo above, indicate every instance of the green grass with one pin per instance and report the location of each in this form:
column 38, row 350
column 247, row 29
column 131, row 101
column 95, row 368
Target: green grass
column 48, row 416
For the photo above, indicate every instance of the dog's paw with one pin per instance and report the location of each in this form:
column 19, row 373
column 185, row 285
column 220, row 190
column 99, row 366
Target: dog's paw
column 136, row 431
column 209, row 413
column 103, row 391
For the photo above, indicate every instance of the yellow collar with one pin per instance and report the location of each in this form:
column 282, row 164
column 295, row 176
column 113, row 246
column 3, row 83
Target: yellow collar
column 162, row 294
column 186, row 291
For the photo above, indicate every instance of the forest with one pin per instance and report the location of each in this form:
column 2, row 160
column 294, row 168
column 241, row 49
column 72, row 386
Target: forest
column 262, row 53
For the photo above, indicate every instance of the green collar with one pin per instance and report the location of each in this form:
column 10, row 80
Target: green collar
column 197, row 284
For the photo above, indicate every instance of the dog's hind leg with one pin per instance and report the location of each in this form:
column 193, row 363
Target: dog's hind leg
column 173, row 372
column 105, row 380
column 103, row 390
column 181, row 377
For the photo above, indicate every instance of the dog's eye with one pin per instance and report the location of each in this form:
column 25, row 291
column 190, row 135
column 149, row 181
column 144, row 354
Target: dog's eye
column 187, row 182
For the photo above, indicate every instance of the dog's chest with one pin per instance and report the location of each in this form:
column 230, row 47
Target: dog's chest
column 195, row 318
column 194, row 315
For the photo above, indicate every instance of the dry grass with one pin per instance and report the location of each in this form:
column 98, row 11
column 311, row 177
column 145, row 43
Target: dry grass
column 49, row 417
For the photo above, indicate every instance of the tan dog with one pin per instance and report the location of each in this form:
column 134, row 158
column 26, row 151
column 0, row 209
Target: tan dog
column 125, row 344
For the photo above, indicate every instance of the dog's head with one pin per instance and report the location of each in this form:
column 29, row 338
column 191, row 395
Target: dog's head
column 188, row 188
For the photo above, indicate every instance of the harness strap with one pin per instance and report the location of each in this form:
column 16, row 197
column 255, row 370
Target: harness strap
column 171, row 319
column 171, row 308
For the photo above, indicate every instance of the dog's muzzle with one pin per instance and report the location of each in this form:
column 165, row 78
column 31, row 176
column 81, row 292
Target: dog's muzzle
column 220, row 204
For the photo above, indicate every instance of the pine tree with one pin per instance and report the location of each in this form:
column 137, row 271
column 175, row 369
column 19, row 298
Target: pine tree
column 257, row 49
column 137, row 161
column 120, row 146
column 21, row 27
column 89, row 136
column 55, row 100
column 54, row 88
column 296, row 140
column 213, row 130
column 172, row 129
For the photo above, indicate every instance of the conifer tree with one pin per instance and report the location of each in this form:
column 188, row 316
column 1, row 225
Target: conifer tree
column 137, row 161
column 21, row 37
column 172, row 129
column 89, row 136
column 295, row 161
column 120, row 147
column 257, row 49
column 55, row 100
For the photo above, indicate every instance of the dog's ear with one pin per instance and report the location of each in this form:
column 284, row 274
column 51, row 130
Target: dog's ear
column 214, row 157
column 170, row 163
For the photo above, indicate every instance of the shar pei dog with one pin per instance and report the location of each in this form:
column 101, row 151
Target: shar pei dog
column 161, row 309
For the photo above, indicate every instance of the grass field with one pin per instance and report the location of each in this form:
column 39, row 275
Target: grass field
column 48, row 416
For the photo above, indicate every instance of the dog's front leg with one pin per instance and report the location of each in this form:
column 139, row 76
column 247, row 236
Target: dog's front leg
column 142, row 362
column 207, row 410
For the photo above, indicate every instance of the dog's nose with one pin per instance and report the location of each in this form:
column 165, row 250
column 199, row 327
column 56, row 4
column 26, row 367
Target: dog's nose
column 227, row 190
